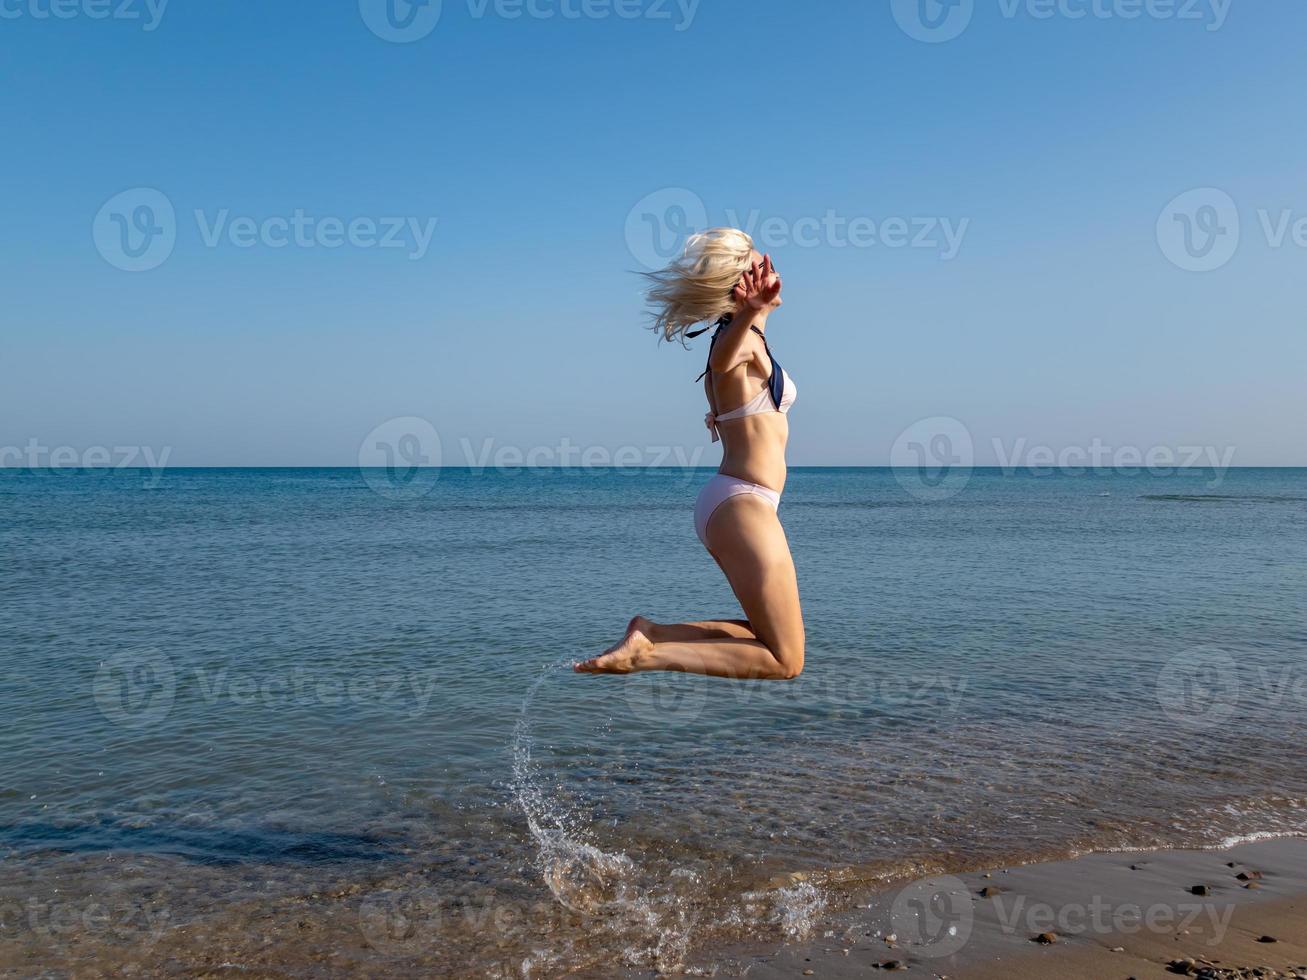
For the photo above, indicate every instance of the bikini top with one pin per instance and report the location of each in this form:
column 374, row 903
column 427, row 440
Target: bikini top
column 778, row 395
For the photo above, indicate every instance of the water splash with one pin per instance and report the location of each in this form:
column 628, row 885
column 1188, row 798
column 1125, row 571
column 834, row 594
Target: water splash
column 654, row 914
column 650, row 916
column 798, row 908
column 582, row 877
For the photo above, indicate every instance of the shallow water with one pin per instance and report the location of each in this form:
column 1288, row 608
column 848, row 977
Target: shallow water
column 283, row 716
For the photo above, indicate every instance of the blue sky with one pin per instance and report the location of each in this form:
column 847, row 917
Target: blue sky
column 505, row 160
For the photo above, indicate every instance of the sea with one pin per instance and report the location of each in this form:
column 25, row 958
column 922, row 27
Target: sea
column 322, row 722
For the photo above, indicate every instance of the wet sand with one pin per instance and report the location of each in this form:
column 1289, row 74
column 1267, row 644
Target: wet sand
column 1131, row 914
column 1143, row 914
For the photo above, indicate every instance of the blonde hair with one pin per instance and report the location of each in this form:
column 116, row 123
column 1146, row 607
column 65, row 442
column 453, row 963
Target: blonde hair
column 697, row 287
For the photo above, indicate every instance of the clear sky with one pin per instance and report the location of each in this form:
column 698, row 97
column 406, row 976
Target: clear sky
column 978, row 227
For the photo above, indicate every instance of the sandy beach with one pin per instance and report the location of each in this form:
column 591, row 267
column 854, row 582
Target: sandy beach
column 1239, row 912
column 1216, row 914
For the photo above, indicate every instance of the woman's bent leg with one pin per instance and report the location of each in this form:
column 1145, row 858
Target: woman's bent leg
column 745, row 536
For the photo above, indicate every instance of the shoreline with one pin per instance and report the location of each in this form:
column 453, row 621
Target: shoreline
column 1141, row 914
column 1131, row 913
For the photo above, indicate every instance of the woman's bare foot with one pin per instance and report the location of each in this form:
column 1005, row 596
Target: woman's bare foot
column 645, row 626
column 625, row 658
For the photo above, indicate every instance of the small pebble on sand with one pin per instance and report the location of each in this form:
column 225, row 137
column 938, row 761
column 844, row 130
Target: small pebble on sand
column 1044, row 938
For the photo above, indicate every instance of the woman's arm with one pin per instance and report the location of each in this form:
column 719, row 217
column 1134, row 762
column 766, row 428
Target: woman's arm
column 756, row 295
column 733, row 347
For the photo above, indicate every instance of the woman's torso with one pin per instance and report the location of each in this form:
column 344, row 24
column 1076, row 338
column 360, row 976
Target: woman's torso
column 753, row 447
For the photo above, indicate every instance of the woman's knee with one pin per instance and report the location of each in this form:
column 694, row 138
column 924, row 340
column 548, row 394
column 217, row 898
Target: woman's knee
column 790, row 657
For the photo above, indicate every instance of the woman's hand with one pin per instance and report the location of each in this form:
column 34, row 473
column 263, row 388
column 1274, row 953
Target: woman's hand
column 759, row 288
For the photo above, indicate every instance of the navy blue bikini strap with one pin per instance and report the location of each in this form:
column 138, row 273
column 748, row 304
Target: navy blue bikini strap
column 720, row 324
column 775, row 383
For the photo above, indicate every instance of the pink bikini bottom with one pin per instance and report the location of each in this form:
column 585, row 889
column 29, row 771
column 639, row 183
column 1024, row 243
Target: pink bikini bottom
column 720, row 489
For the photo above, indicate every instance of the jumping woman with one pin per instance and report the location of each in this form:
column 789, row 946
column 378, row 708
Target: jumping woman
column 722, row 280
